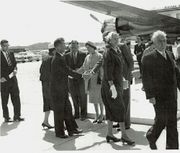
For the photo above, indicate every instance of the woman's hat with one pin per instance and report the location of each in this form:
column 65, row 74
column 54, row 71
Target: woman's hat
column 91, row 44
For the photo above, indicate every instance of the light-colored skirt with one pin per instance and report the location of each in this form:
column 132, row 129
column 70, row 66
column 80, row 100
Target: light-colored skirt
column 93, row 89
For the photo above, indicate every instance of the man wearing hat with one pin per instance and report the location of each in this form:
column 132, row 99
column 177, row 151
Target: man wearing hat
column 45, row 71
column 75, row 60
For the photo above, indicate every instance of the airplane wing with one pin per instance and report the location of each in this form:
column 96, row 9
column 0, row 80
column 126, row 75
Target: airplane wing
column 107, row 7
column 130, row 19
column 116, row 9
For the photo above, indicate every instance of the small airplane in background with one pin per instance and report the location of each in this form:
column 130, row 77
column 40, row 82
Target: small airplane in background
column 131, row 21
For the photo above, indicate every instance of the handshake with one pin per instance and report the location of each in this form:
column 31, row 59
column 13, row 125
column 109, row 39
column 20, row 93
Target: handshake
column 87, row 75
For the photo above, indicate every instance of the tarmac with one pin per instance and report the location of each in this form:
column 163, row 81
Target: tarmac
column 29, row 136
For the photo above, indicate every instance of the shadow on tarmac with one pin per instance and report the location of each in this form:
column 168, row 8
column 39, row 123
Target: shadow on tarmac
column 7, row 127
column 137, row 136
column 87, row 126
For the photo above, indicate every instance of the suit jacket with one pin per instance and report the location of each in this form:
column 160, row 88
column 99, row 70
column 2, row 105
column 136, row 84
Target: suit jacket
column 79, row 60
column 5, row 68
column 139, row 49
column 113, row 68
column 45, row 69
column 128, row 63
column 160, row 78
column 59, row 75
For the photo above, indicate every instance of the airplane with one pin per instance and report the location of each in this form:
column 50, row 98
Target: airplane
column 131, row 21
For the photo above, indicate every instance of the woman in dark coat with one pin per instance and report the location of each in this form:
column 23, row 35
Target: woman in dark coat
column 45, row 70
column 112, row 88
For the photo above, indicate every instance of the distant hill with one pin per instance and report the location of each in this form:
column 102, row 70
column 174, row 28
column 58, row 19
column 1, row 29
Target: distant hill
column 38, row 46
column 44, row 46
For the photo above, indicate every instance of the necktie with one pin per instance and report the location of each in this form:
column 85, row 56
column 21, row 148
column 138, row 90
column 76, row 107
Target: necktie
column 8, row 58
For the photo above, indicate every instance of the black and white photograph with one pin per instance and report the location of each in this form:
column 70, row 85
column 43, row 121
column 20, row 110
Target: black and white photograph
column 89, row 75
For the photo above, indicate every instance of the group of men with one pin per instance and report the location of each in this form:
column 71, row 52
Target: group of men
column 65, row 78
column 159, row 73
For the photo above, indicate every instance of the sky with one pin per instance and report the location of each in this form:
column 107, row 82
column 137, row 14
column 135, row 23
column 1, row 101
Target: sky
column 24, row 22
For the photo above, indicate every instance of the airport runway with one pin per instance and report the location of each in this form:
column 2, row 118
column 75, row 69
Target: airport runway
column 28, row 136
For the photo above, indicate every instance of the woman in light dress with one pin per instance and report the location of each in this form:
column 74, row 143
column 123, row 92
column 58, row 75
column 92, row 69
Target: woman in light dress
column 93, row 84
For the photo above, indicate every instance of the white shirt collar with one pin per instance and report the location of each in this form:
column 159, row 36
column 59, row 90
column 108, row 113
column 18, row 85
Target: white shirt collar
column 162, row 53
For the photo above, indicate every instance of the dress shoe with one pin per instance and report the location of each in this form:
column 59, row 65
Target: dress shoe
column 114, row 139
column 6, row 120
column 100, row 119
column 128, row 141
column 48, row 126
column 95, row 121
column 76, row 131
column 70, row 134
column 64, row 136
column 152, row 145
column 127, row 128
column 18, row 119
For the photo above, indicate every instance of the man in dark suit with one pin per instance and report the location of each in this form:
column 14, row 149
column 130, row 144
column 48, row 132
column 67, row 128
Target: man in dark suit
column 59, row 92
column 161, row 79
column 138, row 51
column 127, row 74
column 75, row 60
column 9, row 84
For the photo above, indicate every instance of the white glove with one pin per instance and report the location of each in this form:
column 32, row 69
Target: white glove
column 125, row 84
column 14, row 72
column 113, row 91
